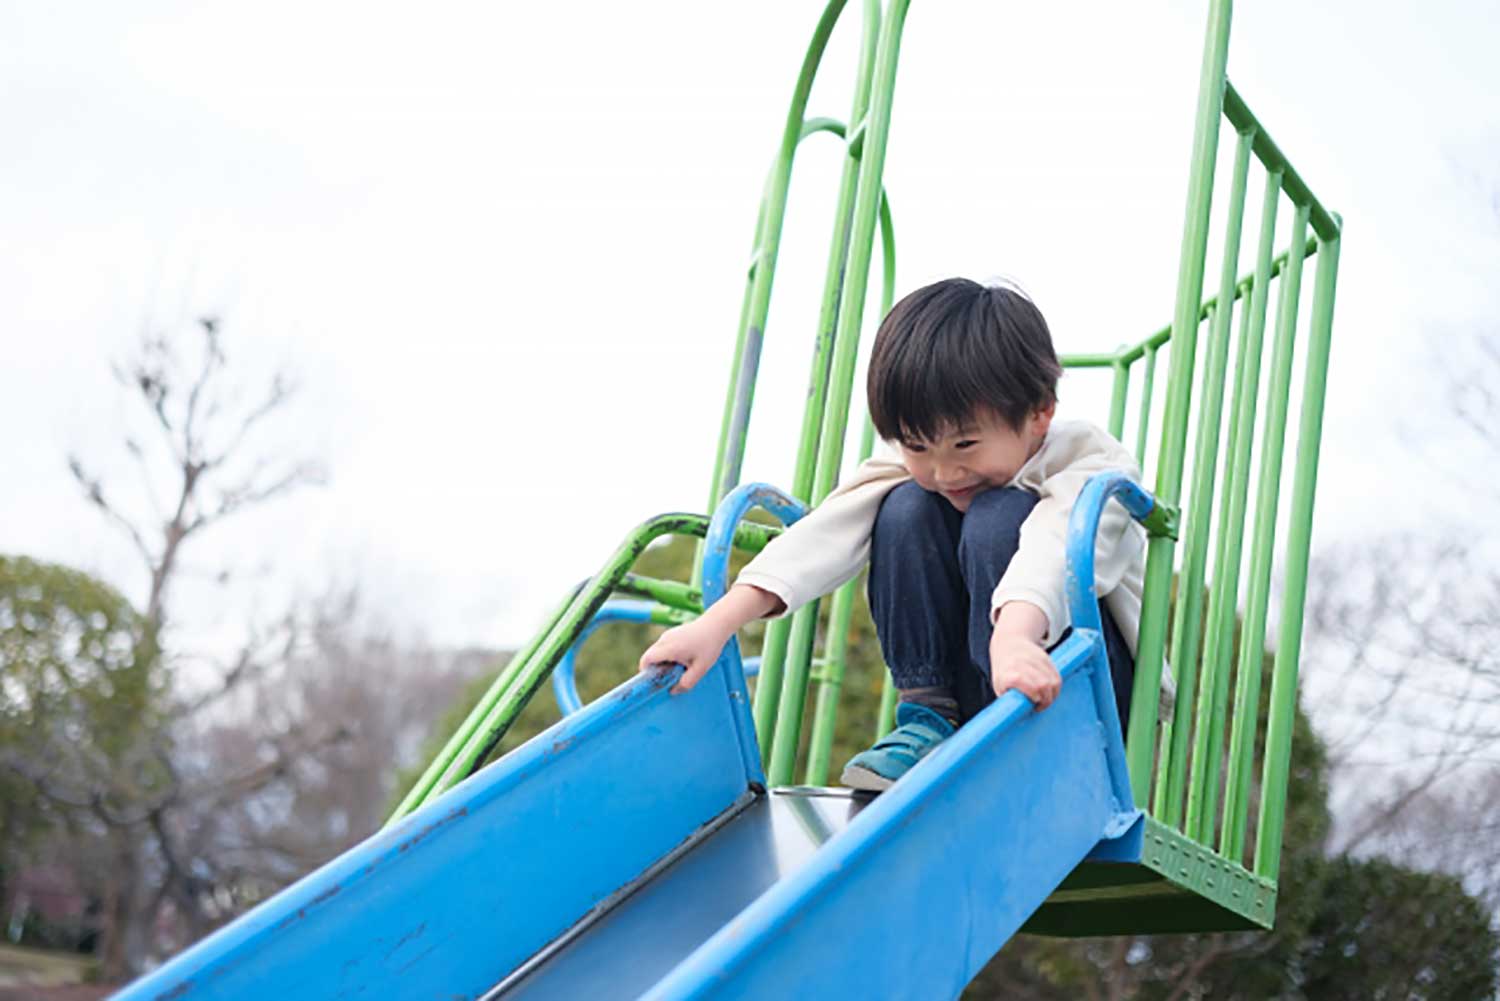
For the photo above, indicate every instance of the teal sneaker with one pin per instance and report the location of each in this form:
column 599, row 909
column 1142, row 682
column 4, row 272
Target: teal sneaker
column 918, row 731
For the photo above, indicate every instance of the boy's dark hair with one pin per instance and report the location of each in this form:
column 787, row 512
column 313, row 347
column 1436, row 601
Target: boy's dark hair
column 952, row 348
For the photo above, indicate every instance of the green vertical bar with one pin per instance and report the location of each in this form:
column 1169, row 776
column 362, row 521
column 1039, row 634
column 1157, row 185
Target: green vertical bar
column 778, row 633
column 846, row 347
column 773, row 649
column 1199, row 509
column 1224, row 595
column 826, row 714
column 1213, row 695
column 1299, row 539
column 1117, row 398
column 834, row 660
column 1158, row 585
column 768, row 683
column 753, row 320
column 736, row 408
column 1253, row 632
column 830, row 685
column 885, row 720
column 833, row 281
column 1143, row 426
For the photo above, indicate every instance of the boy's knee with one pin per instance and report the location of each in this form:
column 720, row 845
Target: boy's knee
column 995, row 516
column 909, row 508
column 1002, row 504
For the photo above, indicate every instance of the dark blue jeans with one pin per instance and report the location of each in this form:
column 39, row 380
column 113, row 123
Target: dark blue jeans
column 932, row 571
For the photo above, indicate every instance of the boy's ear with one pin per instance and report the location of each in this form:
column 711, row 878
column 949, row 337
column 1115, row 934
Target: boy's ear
column 1041, row 418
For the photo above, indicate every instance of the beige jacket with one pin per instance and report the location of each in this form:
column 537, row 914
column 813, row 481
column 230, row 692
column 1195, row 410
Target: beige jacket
column 832, row 543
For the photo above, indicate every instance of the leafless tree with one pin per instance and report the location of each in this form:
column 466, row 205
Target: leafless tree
column 1403, row 630
column 138, row 812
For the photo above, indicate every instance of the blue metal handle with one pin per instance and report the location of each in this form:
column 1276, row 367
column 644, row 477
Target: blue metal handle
column 732, row 509
column 564, row 676
column 1083, row 603
column 717, row 546
column 1083, row 527
column 564, row 681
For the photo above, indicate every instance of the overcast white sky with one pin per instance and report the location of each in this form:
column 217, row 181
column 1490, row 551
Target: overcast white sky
column 503, row 245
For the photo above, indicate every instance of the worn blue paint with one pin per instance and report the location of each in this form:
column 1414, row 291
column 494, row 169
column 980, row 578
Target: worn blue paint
column 564, row 677
column 449, row 900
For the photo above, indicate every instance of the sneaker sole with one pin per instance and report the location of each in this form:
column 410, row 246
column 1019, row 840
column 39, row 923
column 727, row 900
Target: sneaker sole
column 858, row 777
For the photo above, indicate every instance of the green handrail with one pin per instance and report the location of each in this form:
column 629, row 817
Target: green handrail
column 488, row 722
column 846, row 344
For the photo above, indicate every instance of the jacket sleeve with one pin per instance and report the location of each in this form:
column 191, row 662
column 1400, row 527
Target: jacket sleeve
column 1037, row 573
column 830, row 543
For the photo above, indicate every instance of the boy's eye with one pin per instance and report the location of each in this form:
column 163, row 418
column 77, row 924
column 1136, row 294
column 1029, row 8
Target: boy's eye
column 966, row 443
column 913, row 447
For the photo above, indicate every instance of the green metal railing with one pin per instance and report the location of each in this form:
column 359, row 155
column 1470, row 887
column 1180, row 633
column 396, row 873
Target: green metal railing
column 487, row 723
column 1179, row 773
column 1181, row 766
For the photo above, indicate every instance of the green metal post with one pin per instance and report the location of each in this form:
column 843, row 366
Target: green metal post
column 1143, row 426
column 1299, row 540
column 846, row 346
column 1117, row 398
column 1199, row 509
column 1158, row 586
column 833, row 281
column 837, row 643
column 885, row 720
column 835, row 657
column 1213, row 696
column 1262, row 549
column 774, row 647
column 745, row 366
column 1224, row 598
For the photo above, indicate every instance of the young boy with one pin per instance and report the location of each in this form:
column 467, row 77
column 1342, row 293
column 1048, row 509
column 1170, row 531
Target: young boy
column 964, row 532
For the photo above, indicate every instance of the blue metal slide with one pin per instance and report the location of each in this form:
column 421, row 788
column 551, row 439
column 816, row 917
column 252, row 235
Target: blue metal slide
column 633, row 851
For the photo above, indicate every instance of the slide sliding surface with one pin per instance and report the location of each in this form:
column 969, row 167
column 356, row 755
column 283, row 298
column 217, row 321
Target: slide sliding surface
column 629, row 948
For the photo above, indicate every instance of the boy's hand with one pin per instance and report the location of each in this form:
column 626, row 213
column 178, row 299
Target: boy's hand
column 1017, row 658
column 695, row 645
column 1021, row 663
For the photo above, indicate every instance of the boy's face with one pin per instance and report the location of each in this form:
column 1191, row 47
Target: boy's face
column 983, row 452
